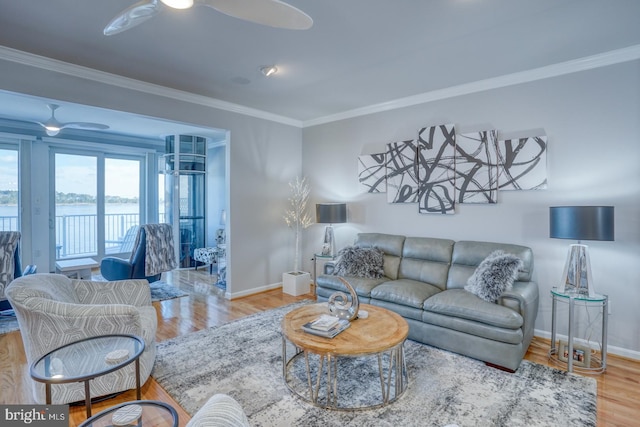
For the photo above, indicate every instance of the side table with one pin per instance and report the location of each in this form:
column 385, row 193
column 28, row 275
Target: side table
column 323, row 259
column 595, row 365
column 84, row 360
column 153, row 413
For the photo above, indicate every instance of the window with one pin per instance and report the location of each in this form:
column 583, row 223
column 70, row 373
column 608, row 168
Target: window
column 9, row 200
column 97, row 204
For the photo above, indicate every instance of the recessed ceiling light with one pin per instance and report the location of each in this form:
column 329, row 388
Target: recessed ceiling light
column 178, row 4
column 269, row 70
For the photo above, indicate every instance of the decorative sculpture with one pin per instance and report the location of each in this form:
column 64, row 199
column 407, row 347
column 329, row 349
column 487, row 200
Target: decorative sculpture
column 340, row 305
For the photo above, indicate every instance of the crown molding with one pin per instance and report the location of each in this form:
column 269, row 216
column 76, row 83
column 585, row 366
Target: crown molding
column 79, row 71
column 612, row 57
column 604, row 59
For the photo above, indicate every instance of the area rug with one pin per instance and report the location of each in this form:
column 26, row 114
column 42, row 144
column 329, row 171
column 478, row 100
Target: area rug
column 243, row 359
column 8, row 324
column 160, row 290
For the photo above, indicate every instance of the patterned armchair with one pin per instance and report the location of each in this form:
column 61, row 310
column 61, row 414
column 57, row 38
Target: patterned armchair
column 10, row 265
column 53, row 310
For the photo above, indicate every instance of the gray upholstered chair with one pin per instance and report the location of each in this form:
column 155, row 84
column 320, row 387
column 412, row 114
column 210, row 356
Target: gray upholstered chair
column 220, row 410
column 53, row 310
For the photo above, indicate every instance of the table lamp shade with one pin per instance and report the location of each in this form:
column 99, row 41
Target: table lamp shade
column 331, row 213
column 580, row 223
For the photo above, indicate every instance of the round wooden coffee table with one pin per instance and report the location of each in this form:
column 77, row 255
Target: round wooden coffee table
column 382, row 334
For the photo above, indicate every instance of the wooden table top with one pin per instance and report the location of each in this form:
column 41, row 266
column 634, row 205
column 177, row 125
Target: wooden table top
column 381, row 331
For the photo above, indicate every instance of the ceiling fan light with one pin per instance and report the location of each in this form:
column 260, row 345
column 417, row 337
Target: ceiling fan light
column 52, row 130
column 269, row 70
column 178, row 4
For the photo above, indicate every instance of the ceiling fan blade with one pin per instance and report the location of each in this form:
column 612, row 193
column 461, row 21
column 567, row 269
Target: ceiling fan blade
column 273, row 13
column 85, row 125
column 132, row 16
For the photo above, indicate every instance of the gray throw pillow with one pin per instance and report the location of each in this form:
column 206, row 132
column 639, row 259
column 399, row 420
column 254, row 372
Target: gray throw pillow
column 360, row 262
column 495, row 274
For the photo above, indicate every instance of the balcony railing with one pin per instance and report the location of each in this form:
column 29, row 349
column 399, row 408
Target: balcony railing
column 76, row 234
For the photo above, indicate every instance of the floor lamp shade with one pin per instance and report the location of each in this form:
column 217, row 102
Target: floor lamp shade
column 580, row 223
column 330, row 213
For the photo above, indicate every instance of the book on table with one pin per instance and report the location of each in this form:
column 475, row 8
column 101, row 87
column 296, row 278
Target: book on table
column 326, row 326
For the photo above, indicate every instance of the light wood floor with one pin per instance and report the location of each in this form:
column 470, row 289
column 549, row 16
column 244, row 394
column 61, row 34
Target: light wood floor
column 618, row 388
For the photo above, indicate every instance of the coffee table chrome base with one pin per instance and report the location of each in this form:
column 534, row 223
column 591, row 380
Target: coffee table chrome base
column 392, row 384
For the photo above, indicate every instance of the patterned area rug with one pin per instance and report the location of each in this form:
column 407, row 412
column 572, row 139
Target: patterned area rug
column 243, row 359
column 160, row 291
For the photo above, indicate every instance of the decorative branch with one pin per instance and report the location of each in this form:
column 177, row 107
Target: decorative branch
column 296, row 216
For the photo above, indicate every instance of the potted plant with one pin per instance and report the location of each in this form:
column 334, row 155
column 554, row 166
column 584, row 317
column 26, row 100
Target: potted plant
column 296, row 216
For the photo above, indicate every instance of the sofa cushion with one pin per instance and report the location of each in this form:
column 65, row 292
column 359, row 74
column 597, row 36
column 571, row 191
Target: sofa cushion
column 465, row 305
column 360, row 262
column 407, row 292
column 495, row 274
column 363, row 286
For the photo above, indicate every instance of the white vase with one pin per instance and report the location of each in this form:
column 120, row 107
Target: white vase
column 296, row 283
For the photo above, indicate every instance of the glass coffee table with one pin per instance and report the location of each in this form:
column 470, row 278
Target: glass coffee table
column 151, row 413
column 84, row 360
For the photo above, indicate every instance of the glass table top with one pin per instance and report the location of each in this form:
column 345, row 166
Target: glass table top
column 578, row 296
column 153, row 413
column 87, row 358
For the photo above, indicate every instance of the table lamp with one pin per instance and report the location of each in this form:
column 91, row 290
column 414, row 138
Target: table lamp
column 330, row 213
column 580, row 223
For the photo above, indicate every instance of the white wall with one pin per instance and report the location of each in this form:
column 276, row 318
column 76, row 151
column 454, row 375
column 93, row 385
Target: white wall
column 592, row 120
column 263, row 157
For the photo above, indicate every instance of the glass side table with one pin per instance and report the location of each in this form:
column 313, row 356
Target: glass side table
column 319, row 258
column 152, row 413
column 84, row 360
column 580, row 361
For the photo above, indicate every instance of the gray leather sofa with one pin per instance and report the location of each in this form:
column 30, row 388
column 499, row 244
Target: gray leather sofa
column 424, row 281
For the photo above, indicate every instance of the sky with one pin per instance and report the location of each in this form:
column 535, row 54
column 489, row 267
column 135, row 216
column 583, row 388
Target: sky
column 78, row 174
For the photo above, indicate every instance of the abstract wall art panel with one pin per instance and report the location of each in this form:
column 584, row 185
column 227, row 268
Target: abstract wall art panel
column 401, row 171
column 523, row 163
column 436, row 169
column 372, row 173
column 477, row 167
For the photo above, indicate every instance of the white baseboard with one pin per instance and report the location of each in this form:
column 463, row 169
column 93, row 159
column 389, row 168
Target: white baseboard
column 253, row 291
column 618, row 351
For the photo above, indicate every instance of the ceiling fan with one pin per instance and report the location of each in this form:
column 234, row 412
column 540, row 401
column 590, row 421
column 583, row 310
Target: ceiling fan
column 273, row 13
column 53, row 127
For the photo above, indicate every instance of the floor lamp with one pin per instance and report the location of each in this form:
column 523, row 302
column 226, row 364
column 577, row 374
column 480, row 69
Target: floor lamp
column 580, row 223
column 330, row 213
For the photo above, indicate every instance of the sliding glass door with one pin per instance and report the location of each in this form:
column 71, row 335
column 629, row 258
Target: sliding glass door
column 9, row 201
column 97, row 204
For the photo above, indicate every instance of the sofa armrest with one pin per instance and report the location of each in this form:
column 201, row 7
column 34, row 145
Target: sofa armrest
column 523, row 298
column 221, row 410
column 113, row 268
column 134, row 292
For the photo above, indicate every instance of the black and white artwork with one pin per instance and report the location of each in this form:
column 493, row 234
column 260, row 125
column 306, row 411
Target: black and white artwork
column 477, row 167
column 372, row 173
column 522, row 163
column 402, row 177
column 436, row 169
column 401, row 171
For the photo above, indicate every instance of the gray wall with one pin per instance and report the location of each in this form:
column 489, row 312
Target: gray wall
column 592, row 120
column 263, row 157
